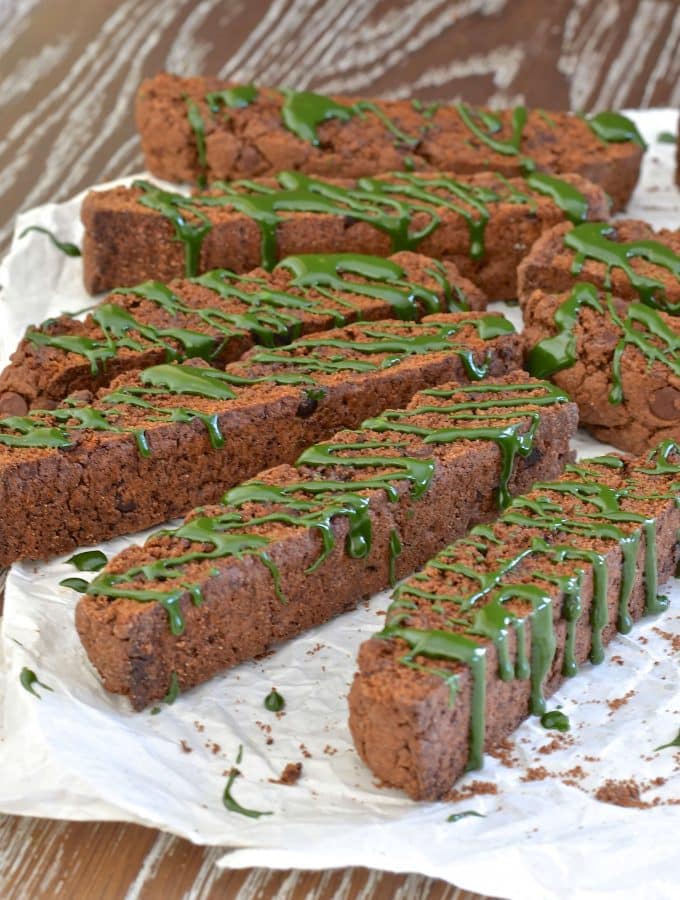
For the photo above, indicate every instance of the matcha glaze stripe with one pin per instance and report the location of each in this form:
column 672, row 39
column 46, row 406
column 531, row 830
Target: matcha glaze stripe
column 324, row 499
column 597, row 241
column 58, row 428
column 483, row 612
column 267, row 319
column 639, row 326
column 388, row 204
column 302, row 112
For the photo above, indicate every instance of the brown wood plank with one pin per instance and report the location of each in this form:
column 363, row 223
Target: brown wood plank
column 41, row 859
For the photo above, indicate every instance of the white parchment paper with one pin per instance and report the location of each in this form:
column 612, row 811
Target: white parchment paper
column 80, row 753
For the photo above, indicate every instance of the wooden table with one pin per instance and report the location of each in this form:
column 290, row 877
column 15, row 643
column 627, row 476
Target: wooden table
column 68, row 73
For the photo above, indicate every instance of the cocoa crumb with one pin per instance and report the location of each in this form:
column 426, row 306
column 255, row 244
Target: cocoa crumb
column 618, row 702
column 618, row 660
column 290, row 775
column 673, row 639
column 474, row 789
column 574, row 772
column 213, row 747
column 199, row 726
column 305, row 752
column 185, row 747
column 330, row 751
column 559, row 742
column 538, row 773
column 315, row 649
column 621, row 793
column 269, row 741
column 504, row 752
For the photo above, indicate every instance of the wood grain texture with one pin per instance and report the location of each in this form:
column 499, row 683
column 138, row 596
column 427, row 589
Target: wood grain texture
column 68, row 73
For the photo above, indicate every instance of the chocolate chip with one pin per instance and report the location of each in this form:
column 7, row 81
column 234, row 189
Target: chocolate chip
column 43, row 402
column 533, row 457
column 12, row 404
column 307, row 407
column 665, row 403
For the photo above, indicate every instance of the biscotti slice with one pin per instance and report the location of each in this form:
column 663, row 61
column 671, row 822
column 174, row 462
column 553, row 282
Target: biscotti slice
column 302, row 543
column 200, row 129
column 483, row 223
column 620, row 361
column 218, row 316
column 174, row 436
column 475, row 642
column 627, row 257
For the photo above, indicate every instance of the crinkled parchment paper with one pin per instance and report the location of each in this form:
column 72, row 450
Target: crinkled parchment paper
column 82, row 754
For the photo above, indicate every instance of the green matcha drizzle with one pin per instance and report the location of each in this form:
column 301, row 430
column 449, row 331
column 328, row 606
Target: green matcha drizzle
column 674, row 743
column 555, row 719
column 65, row 247
column 160, row 382
column 388, row 205
column 231, row 97
column 274, row 702
column 312, row 504
column 640, row 327
column 493, row 620
column 329, row 498
column 88, row 561
column 197, row 125
column 227, row 798
column 613, row 127
column 173, row 689
column 266, row 320
column 592, row 240
column 456, row 817
column 512, row 439
column 28, row 680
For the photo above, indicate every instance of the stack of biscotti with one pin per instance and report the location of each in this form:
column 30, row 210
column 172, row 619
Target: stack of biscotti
column 160, row 400
column 203, row 129
column 475, row 642
column 484, row 223
column 601, row 304
column 301, row 543
column 219, row 316
column 158, row 442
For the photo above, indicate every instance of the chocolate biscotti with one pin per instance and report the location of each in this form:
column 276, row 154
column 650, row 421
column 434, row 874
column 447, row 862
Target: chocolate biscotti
column 218, row 316
column 475, row 642
column 157, row 443
column 619, row 361
column 626, row 257
column 202, row 129
column 483, row 223
column 304, row 542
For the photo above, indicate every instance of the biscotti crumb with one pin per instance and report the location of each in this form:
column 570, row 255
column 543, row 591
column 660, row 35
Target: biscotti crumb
column 290, row 775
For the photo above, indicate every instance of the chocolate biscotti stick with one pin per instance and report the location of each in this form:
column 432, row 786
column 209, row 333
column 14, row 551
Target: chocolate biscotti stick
column 200, row 129
column 302, row 543
column 483, row 223
column 627, row 257
column 218, row 316
column 174, row 436
column 620, row 361
column 475, row 642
